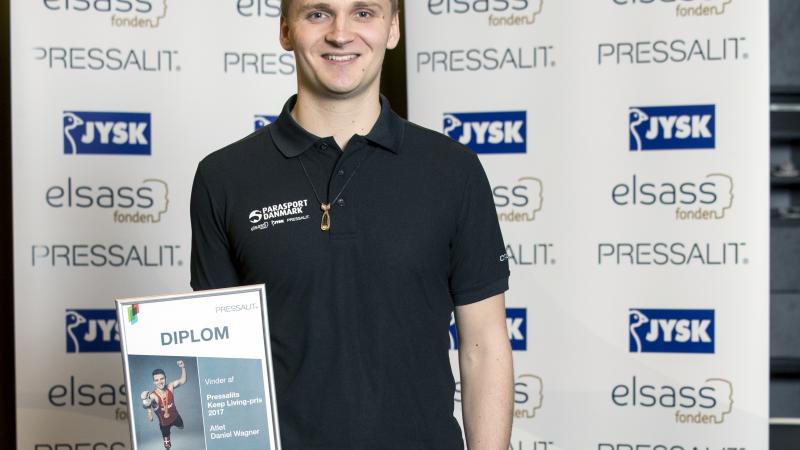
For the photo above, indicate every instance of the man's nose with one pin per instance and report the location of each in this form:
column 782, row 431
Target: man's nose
column 340, row 33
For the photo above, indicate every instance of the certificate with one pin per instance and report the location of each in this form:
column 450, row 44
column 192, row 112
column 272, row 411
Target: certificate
column 198, row 370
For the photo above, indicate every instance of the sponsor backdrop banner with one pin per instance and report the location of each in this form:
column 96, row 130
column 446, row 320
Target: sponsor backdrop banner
column 627, row 145
column 114, row 103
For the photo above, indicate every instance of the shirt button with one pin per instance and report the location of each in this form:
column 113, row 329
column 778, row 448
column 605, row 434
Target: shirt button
column 323, row 146
column 340, row 172
column 340, row 202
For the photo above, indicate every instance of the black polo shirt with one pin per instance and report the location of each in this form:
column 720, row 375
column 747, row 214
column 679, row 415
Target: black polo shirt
column 358, row 314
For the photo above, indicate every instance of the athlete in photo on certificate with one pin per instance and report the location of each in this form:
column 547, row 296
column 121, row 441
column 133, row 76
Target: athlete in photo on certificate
column 162, row 400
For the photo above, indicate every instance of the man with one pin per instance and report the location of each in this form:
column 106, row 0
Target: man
column 368, row 232
column 162, row 400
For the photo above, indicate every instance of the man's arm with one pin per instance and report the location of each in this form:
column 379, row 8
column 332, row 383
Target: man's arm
column 487, row 373
column 182, row 379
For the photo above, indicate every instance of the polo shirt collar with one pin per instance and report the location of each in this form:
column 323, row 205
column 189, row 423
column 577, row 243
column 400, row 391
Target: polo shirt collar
column 292, row 140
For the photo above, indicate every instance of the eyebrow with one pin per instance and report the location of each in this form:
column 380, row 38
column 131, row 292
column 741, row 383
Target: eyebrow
column 327, row 7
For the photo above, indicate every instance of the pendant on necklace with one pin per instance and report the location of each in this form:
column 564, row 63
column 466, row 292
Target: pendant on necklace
column 325, row 225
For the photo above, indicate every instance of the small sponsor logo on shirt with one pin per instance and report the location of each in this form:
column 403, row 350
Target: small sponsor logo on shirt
column 278, row 214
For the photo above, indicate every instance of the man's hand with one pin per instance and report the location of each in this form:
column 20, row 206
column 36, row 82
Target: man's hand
column 145, row 394
column 180, row 363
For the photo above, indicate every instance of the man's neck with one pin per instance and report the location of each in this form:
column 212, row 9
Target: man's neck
column 337, row 117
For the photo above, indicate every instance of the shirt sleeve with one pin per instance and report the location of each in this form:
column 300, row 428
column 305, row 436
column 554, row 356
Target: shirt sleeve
column 211, row 264
column 478, row 269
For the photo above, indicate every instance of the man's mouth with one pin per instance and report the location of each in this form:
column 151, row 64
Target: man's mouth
column 340, row 58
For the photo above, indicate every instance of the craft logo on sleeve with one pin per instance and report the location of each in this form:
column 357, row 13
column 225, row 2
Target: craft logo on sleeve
column 92, row 331
column 143, row 202
column 489, row 132
column 516, row 324
column 106, row 133
column 689, row 127
column 120, row 13
column 262, row 120
column 702, row 198
column 683, row 8
column 706, row 402
column 499, row 13
column 671, row 330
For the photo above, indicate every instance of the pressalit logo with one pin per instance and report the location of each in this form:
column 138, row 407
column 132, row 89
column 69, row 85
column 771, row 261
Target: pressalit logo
column 689, row 127
column 707, row 197
column 142, row 202
column 106, row 133
column 278, row 214
column 262, row 120
column 519, row 200
column 92, row 331
column 120, row 13
column 683, row 8
column 704, row 402
column 488, row 132
column 499, row 12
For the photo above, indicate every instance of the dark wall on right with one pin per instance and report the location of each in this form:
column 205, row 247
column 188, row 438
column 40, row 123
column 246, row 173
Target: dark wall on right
column 785, row 224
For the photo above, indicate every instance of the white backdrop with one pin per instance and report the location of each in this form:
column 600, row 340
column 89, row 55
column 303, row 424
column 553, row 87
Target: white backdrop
column 90, row 228
column 607, row 243
column 114, row 102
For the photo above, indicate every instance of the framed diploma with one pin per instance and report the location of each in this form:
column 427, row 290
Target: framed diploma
column 198, row 370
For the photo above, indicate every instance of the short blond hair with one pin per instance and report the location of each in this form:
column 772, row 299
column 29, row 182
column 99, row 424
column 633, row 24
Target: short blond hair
column 285, row 6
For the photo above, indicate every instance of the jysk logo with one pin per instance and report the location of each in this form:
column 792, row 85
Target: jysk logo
column 489, row 132
column 516, row 324
column 671, row 127
column 106, row 133
column 262, row 120
column 671, row 330
column 92, row 331
column 123, row 13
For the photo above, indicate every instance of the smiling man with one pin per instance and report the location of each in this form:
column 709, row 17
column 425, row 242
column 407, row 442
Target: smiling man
column 369, row 232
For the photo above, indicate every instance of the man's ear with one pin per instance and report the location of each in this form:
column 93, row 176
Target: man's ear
column 284, row 36
column 394, row 31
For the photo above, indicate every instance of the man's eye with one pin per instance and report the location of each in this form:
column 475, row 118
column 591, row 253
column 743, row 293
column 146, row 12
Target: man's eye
column 316, row 15
column 364, row 14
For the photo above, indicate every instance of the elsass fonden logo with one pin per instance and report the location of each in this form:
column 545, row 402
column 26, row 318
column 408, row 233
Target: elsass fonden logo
column 106, row 133
column 262, row 120
column 671, row 330
column 488, row 132
column 500, row 12
column 129, row 203
column 516, row 324
column 701, row 198
column 704, row 403
column 122, row 13
column 90, row 398
column 684, row 8
column 92, row 331
column 520, row 200
column 671, row 127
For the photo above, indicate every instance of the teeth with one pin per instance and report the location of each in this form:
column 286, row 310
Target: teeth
column 340, row 58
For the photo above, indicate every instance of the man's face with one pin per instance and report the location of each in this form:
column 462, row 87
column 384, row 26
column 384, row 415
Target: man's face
column 159, row 380
column 339, row 44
